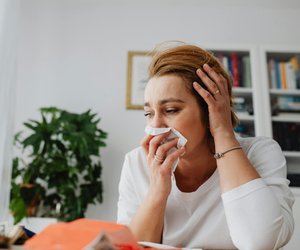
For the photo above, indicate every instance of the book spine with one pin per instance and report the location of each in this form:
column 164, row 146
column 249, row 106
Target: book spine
column 230, row 66
column 277, row 74
column 290, row 76
column 241, row 71
column 246, row 71
column 225, row 63
column 295, row 63
column 235, row 69
column 272, row 74
column 282, row 75
column 219, row 56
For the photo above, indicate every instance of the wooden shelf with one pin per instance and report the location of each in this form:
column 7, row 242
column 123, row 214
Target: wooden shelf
column 291, row 153
column 239, row 90
column 286, row 117
column 245, row 116
column 295, row 92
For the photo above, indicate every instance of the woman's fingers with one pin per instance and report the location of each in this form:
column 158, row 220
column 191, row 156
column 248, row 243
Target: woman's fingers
column 214, row 76
column 216, row 96
column 225, row 84
column 155, row 142
column 163, row 149
column 171, row 158
column 150, row 143
column 210, row 84
column 145, row 143
column 167, row 165
column 158, row 150
column 216, row 83
column 206, row 95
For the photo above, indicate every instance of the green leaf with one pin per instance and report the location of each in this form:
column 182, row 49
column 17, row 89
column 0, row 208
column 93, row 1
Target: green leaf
column 30, row 126
column 18, row 208
column 63, row 164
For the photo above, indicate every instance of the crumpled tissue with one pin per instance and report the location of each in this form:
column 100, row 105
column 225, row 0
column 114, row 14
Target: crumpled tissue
column 174, row 134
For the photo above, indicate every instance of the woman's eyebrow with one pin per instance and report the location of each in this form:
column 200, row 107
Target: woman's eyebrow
column 171, row 100
column 164, row 101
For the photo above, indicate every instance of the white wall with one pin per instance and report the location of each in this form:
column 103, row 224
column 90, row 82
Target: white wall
column 72, row 54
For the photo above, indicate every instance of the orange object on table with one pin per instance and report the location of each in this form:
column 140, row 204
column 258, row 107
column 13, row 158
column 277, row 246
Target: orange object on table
column 82, row 234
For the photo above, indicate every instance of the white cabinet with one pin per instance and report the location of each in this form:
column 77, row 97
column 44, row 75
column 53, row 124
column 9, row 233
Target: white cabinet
column 276, row 107
column 266, row 107
column 280, row 76
column 294, row 243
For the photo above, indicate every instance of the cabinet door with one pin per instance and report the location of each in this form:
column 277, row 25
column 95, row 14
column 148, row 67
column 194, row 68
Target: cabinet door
column 295, row 240
column 281, row 73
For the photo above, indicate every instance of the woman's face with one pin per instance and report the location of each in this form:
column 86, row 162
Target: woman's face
column 168, row 103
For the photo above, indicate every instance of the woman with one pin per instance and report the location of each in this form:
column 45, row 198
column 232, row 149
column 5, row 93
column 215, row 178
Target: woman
column 226, row 192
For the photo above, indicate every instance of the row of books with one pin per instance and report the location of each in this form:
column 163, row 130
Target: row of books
column 288, row 104
column 284, row 74
column 242, row 105
column 244, row 130
column 287, row 134
column 238, row 66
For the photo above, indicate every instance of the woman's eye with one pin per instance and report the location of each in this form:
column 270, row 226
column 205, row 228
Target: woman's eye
column 147, row 114
column 171, row 111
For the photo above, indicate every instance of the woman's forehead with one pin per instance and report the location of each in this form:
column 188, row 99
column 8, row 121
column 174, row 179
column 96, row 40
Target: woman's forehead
column 166, row 87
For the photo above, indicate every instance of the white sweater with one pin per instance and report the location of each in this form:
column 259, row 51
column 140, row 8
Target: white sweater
column 256, row 215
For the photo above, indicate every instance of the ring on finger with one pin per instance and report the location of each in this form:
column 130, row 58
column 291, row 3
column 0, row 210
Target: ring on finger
column 216, row 92
column 159, row 158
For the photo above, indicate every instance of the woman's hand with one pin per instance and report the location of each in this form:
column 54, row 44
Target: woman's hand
column 217, row 99
column 160, row 164
column 147, row 224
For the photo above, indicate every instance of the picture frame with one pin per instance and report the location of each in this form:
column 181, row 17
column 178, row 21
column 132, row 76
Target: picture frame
column 137, row 78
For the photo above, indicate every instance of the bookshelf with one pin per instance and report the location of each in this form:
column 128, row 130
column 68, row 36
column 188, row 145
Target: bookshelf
column 273, row 109
column 281, row 80
column 239, row 61
column 265, row 97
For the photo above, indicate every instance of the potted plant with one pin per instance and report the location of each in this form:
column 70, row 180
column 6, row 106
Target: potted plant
column 58, row 171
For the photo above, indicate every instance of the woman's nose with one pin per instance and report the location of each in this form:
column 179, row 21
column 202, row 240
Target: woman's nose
column 158, row 122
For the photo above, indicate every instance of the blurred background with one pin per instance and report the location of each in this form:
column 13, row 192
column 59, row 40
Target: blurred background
column 73, row 54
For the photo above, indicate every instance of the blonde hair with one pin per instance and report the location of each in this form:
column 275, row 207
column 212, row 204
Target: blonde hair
column 183, row 61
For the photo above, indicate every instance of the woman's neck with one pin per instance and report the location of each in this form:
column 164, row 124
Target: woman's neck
column 194, row 169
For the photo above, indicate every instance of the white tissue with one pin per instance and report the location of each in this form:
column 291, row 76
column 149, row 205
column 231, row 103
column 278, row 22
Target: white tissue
column 174, row 134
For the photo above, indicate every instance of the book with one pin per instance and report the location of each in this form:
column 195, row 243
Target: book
column 239, row 104
column 288, row 103
column 290, row 76
column 225, row 63
column 235, row 69
column 282, row 75
column 246, row 73
column 295, row 64
column 241, row 71
column 272, row 74
column 230, row 72
column 277, row 76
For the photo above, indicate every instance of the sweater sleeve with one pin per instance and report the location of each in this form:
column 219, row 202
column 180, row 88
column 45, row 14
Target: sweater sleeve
column 127, row 203
column 259, row 213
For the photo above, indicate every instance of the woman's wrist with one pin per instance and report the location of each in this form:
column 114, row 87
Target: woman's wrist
column 156, row 199
column 225, row 140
